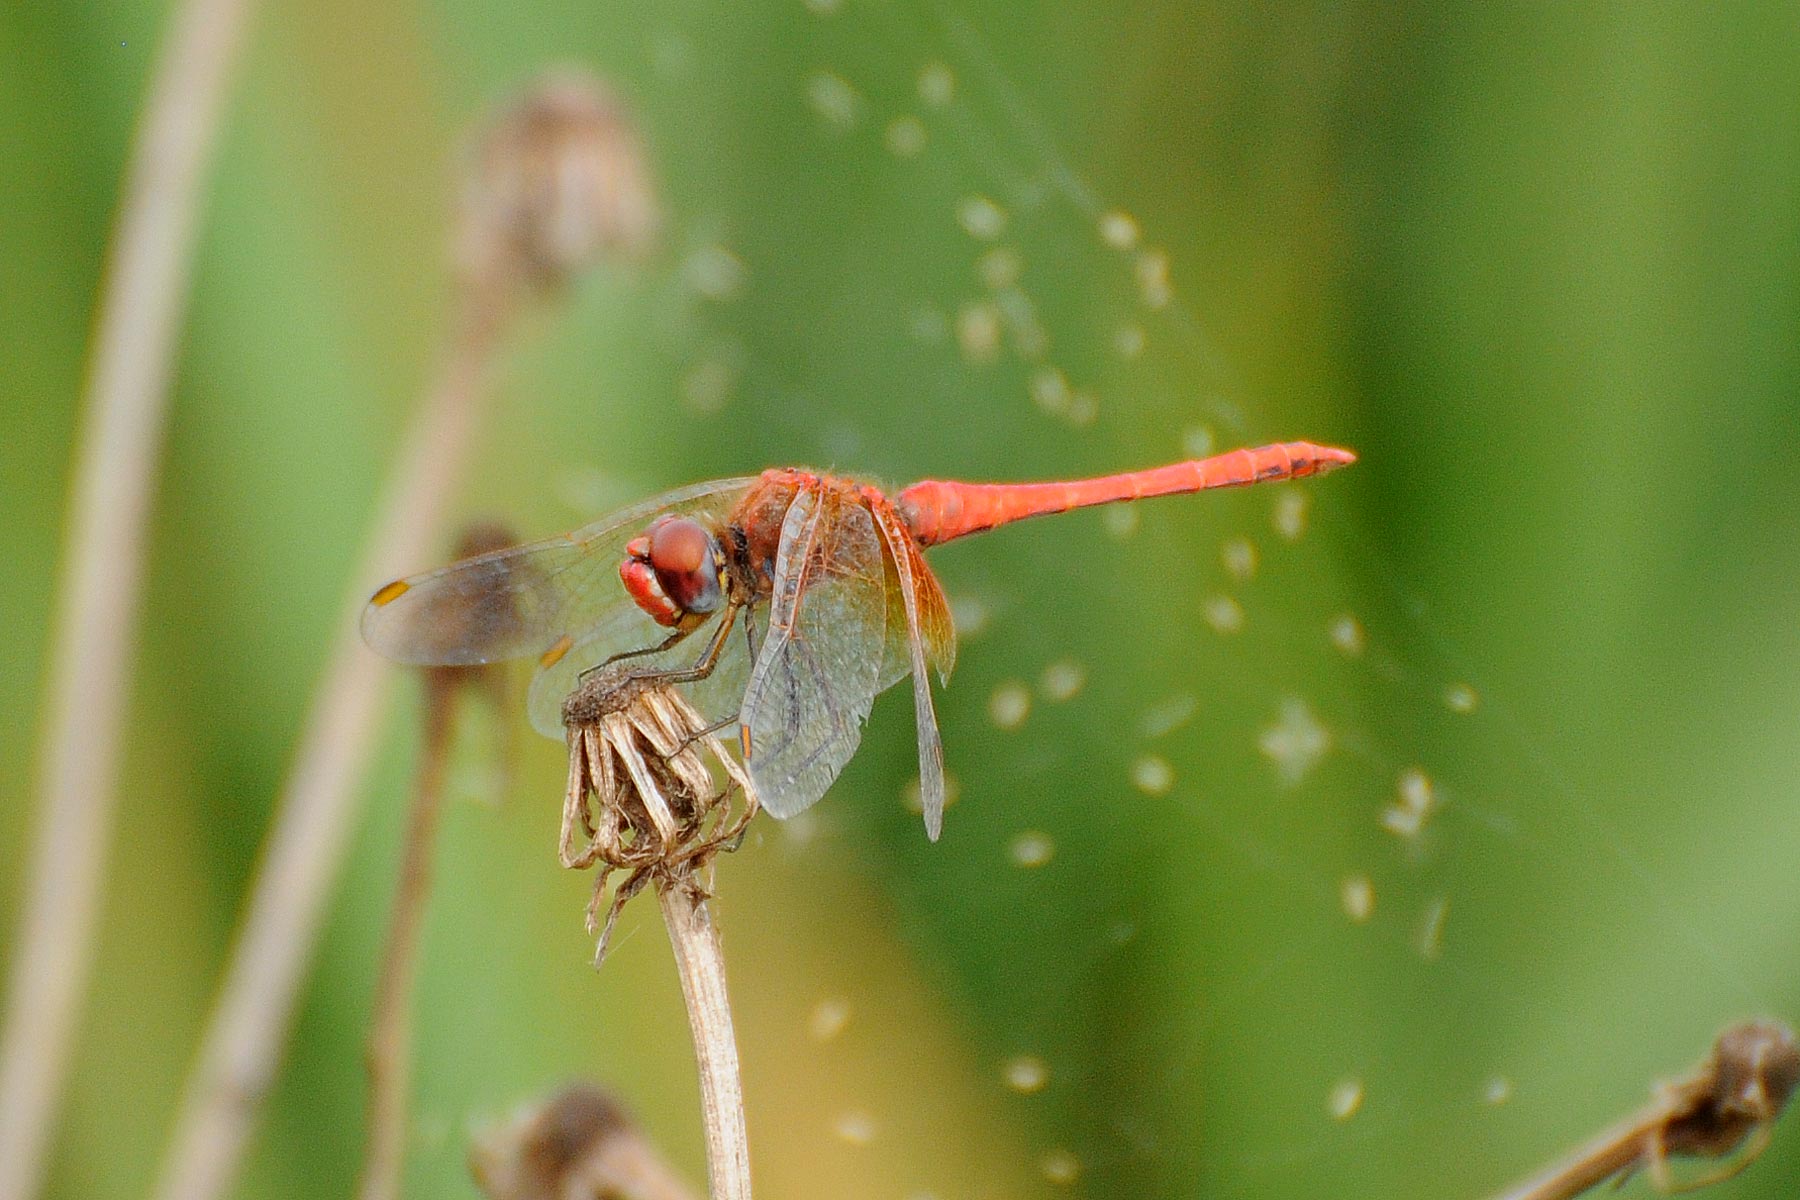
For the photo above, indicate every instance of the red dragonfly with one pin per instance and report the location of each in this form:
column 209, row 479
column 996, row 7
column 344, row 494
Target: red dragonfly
column 824, row 574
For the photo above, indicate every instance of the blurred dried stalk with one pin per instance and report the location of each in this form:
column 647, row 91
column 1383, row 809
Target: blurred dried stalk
column 642, row 794
column 578, row 1145
column 390, row 1031
column 1734, row 1097
column 144, row 291
column 305, row 846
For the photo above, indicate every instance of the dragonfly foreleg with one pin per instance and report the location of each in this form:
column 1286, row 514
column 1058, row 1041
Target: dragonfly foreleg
column 703, row 666
column 668, row 643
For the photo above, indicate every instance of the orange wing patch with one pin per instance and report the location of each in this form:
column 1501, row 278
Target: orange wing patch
column 390, row 592
column 554, row 654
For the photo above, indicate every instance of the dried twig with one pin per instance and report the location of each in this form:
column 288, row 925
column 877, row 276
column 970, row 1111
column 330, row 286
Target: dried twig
column 700, row 959
column 306, row 844
column 390, row 1026
column 127, row 393
column 579, row 1145
column 1734, row 1097
column 635, row 756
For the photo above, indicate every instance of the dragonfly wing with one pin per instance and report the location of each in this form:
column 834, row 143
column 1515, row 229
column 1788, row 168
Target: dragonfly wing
column 923, row 626
column 936, row 627
column 543, row 599
column 816, row 675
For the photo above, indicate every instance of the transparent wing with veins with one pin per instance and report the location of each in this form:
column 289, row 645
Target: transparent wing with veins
column 558, row 600
column 820, row 665
column 919, row 632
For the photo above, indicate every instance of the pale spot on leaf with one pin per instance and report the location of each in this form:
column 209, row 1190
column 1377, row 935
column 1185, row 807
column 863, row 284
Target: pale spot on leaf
column 1289, row 514
column 1026, row 1073
column 855, row 1127
column 1152, row 775
column 1009, row 705
column 937, row 84
column 1118, row 230
column 1032, row 848
column 1062, row 679
column 905, row 136
column 828, row 1018
column 1224, row 614
column 1345, row 1100
column 1060, row 1167
column 833, row 99
column 1238, row 554
column 1347, row 635
column 1295, row 742
column 1357, row 894
column 981, row 218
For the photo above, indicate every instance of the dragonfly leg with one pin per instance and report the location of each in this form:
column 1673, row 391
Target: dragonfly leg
column 668, row 643
column 715, row 727
column 703, row 666
column 750, row 639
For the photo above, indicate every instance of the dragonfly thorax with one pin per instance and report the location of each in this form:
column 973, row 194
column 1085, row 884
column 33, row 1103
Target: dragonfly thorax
column 673, row 572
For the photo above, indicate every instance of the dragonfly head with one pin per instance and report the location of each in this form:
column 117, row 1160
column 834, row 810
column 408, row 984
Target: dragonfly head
column 672, row 572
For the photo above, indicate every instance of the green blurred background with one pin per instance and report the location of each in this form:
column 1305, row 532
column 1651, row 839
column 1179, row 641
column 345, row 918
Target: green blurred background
column 1538, row 264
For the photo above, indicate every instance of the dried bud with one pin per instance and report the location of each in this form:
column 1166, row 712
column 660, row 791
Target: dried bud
column 578, row 1145
column 1726, row 1106
column 558, row 181
column 1739, row 1091
column 641, row 791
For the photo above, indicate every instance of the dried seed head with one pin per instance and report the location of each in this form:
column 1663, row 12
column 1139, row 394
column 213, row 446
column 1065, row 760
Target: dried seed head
column 1724, row 1109
column 557, row 181
column 578, row 1145
column 642, row 793
column 1743, row 1087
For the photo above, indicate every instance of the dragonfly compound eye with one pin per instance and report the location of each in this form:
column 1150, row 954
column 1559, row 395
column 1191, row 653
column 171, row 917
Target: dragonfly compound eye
column 685, row 557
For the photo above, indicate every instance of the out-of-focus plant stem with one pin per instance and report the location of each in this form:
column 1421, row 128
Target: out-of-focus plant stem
column 390, row 1032
column 557, row 183
column 389, row 1053
column 306, row 845
column 127, row 393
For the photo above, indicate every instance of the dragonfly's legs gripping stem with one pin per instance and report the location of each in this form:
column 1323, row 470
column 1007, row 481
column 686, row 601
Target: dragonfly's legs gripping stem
column 703, row 666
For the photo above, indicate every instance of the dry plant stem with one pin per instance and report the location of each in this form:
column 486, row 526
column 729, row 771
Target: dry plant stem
column 1612, row 1153
column 390, row 1035
column 701, row 963
column 637, row 755
column 1725, row 1106
column 127, row 391
column 305, row 847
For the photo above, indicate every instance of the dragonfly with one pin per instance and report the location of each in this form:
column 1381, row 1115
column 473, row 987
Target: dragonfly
column 824, row 574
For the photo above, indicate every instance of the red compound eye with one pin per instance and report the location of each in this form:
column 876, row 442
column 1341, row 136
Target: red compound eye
column 685, row 557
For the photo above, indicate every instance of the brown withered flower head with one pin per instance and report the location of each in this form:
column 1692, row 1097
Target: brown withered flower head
column 643, row 796
column 1735, row 1097
column 577, row 1145
column 559, row 181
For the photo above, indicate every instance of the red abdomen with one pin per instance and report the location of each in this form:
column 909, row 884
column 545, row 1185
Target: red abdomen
column 937, row 511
